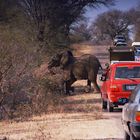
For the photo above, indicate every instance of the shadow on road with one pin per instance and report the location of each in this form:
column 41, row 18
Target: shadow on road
column 116, row 114
column 116, row 110
column 82, row 101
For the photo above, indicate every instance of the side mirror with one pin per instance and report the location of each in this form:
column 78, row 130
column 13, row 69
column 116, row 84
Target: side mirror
column 107, row 65
column 103, row 78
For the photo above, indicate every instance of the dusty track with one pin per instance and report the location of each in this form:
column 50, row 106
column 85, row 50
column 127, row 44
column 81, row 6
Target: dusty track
column 81, row 118
column 88, row 123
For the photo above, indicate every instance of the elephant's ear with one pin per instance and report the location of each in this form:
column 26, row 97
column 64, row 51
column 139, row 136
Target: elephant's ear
column 66, row 59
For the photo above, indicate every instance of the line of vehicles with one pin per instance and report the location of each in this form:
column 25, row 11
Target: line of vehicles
column 121, row 85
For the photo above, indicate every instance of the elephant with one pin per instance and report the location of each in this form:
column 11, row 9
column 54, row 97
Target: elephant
column 84, row 67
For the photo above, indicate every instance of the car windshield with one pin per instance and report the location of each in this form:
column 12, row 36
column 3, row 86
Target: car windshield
column 127, row 72
column 120, row 37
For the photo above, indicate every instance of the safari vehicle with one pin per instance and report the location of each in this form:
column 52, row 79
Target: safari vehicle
column 119, row 38
column 118, row 82
column 120, row 78
column 121, row 54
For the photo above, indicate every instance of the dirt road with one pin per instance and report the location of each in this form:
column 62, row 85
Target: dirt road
column 84, row 120
column 81, row 117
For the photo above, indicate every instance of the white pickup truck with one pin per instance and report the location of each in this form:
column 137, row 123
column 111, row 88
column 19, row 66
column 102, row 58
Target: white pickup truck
column 136, row 46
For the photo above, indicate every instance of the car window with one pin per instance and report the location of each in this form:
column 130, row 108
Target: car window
column 127, row 72
column 137, row 99
column 135, row 96
column 120, row 37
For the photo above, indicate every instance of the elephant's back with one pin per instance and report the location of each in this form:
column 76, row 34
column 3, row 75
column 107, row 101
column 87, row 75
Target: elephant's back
column 90, row 61
column 88, row 58
column 85, row 56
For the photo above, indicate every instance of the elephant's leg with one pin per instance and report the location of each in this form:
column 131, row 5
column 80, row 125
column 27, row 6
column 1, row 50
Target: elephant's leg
column 96, row 87
column 72, row 89
column 89, row 82
column 65, row 87
column 68, row 86
column 93, row 78
column 88, row 88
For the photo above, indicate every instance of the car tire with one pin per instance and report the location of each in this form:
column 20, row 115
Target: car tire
column 126, row 136
column 104, row 104
column 110, row 107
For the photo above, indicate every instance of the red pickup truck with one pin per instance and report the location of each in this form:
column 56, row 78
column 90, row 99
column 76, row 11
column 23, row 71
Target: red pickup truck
column 118, row 82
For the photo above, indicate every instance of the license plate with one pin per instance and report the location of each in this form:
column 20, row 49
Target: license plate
column 130, row 87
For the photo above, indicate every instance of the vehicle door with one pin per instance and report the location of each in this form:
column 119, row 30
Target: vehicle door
column 130, row 106
column 106, row 84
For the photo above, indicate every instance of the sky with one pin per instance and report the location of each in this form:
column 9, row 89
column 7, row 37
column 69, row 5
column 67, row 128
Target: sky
column 123, row 5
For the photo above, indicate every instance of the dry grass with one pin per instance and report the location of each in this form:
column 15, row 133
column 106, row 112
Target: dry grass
column 72, row 111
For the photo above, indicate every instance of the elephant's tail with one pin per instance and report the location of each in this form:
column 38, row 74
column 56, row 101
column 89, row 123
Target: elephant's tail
column 100, row 66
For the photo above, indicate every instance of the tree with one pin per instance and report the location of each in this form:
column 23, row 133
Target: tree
column 54, row 18
column 134, row 15
column 79, row 31
column 109, row 24
column 7, row 9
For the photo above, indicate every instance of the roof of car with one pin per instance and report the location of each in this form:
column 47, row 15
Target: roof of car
column 135, row 43
column 125, row 63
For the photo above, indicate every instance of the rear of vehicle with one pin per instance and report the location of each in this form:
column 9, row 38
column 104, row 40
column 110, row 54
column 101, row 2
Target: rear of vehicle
column 121, row 44
column 121, row 54
column 131, row 116
column 121, row 79
column 119, row 38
